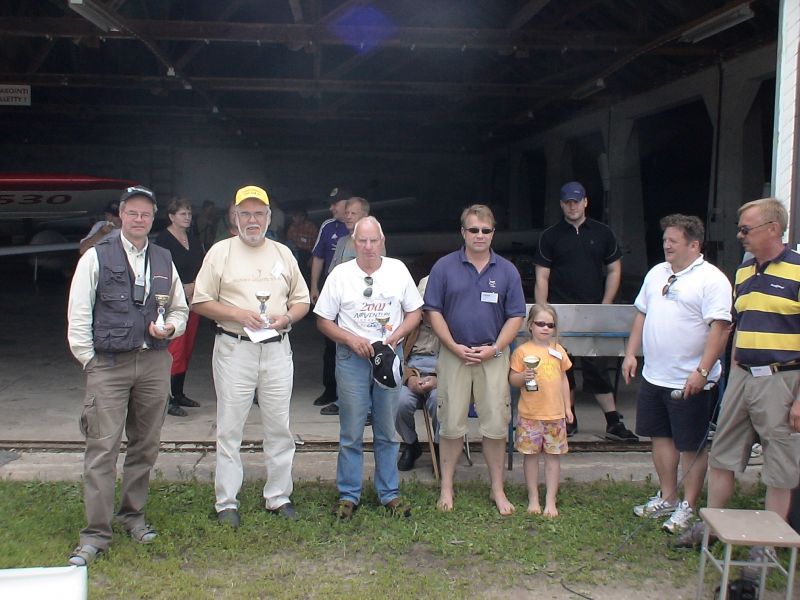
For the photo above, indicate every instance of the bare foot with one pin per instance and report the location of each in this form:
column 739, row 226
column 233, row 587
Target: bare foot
column 504, row 507
column 445, row 503
column 534, row 508
column 551, row 511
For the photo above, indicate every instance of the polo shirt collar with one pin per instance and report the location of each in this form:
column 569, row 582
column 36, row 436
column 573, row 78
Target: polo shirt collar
column 130, row 248
column 698, row 261
column 463, row 255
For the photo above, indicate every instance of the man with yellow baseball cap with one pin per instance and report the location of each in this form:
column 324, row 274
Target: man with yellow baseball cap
column 252, row 287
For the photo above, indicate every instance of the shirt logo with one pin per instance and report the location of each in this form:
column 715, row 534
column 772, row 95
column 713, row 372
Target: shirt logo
column 492, row 283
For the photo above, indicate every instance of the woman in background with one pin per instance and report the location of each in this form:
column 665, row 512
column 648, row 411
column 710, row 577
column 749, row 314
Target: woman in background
column 187, row 255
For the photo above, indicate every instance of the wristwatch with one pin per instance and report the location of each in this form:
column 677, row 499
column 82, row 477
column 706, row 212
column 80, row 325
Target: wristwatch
column 497, row 353
column 702, row 371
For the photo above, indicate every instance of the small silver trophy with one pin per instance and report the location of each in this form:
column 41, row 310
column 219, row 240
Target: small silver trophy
column 162, row 300
column 263, row 296
column 531, row 362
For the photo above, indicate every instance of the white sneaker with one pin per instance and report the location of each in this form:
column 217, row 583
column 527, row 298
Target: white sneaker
column 680, row 518
column 655, row 507
column 756, row 455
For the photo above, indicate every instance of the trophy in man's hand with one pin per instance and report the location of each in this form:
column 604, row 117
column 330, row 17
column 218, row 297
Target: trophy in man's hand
column 162, row 300
column 263, row 297
column 531, row 362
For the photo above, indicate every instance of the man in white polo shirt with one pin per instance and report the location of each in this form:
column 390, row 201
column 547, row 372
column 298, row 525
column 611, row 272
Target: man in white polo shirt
column 683, row 321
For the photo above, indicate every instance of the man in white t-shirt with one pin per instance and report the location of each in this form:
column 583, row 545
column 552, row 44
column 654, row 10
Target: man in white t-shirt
column 683, row 323
column 252, row 287
column 367, row 300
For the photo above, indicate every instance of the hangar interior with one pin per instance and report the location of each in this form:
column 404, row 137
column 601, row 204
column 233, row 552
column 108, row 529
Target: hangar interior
column 657, row 107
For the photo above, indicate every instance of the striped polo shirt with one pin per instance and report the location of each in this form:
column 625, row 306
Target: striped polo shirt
column 766, row 310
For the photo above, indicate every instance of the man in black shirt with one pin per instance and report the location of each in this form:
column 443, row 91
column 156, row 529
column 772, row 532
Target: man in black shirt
column 578, row 261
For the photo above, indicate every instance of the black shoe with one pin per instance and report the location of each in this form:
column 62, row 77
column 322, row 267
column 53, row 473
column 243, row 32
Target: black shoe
column 330, row 410
column 619, row 433
column 572, row 428
column 176, row 411
column 324, row 400
column 286, row 511
column 229, row 517
column 186, row 401
column 410, row 454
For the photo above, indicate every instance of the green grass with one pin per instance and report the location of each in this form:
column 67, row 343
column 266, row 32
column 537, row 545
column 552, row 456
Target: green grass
column 467, row 553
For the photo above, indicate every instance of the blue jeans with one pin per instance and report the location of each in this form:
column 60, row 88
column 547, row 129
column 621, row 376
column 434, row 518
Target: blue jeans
column 358, row 394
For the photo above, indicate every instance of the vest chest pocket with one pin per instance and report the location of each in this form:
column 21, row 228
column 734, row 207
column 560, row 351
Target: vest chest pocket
column 115, row 301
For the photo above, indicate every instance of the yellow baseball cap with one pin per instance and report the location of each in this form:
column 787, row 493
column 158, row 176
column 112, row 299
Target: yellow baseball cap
column 251, row 191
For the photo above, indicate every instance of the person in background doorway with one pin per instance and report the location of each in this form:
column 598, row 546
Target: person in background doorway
column 101, row 229
column 187, row 255
column 300, row 237
column 578, row 261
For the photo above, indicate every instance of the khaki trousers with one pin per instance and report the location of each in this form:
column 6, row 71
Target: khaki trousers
column 126, row 391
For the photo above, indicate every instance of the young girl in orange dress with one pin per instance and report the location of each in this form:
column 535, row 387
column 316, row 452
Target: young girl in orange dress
column 544, row 407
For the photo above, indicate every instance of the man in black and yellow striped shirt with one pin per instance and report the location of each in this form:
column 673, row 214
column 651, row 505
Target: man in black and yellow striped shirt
column 763, row 392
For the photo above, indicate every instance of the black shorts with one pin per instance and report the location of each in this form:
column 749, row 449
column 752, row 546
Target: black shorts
column 685, row 420
column 595, row 375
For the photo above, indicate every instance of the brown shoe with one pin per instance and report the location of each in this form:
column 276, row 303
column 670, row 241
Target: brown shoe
column 398, row 507
column 344, row 510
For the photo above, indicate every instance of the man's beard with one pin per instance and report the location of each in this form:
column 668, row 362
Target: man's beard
column 251, row 239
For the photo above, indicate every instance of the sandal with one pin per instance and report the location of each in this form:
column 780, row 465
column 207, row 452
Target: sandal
column 82, row 556
column 345, row 509
column 144, row 534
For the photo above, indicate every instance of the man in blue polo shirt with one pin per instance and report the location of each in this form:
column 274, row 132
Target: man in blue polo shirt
column 321, row 256
column 578, row 261
column 476, row 306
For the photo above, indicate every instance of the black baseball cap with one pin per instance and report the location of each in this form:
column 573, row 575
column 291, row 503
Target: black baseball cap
column 138, row 190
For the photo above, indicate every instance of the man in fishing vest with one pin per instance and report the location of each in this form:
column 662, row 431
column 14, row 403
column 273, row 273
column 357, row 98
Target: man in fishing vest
column 115, row 332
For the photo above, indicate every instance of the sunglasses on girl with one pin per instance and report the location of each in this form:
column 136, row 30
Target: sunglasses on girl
column 545, row 324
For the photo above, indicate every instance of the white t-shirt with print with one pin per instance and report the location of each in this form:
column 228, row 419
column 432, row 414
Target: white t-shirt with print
column 372, row 317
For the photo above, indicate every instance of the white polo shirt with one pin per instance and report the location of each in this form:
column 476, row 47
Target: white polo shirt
column 372, row 317
column 676, row 325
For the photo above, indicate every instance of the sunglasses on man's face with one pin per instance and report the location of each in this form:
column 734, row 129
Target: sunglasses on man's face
column 368, row 291
column 744, row 229
column 545, row 324
column 476, row 230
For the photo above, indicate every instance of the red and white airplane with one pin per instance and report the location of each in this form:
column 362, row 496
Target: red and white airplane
column 40, row 203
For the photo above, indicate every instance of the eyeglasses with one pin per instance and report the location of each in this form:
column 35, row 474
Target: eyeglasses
column 744, row 229
column 672, row 279
column 483, row 230
column 139, row 215
column 258, row 215
column 368, row 291
column 545, row 324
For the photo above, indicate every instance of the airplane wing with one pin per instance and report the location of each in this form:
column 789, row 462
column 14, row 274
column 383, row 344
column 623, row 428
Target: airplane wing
column 37, row 248
column 378, row 205
column 36, row 196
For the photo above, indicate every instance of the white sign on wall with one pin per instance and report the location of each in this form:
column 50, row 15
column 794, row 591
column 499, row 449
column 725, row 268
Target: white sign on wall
column 15, row 95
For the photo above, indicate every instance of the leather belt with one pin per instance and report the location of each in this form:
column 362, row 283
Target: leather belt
column 244, row 338
column 774, row 367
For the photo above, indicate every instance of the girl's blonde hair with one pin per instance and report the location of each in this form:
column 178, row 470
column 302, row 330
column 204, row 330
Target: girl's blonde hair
column 542, row 307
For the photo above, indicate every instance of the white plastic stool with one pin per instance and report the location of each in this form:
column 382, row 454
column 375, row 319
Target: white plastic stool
column 747, row 528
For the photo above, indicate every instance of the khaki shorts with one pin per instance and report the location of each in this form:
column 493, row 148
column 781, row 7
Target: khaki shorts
column 759, row 405
column 486, row 383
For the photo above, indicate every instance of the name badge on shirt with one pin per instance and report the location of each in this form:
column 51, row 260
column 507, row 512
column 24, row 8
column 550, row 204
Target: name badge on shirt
column 556, row 353
column 489, row 297
column 763, row 371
